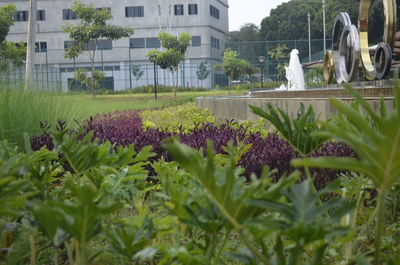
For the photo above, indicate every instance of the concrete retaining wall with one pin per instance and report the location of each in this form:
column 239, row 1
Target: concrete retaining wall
column 228, row 108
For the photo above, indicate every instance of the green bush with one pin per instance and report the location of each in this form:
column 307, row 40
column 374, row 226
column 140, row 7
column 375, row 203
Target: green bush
column 150, row 89
column 173, row 118
column 22, row 111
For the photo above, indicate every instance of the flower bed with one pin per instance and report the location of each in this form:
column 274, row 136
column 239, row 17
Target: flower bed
column 125, row 128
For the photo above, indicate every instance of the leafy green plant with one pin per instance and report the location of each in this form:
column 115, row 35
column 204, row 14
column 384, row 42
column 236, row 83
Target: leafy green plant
column 131, row 240
column 376, row 140
column 176, row 119
column 83, row 152
column 80, row 217
column 292, row 214
column 304, row 221
column 300, row 132
column 226, row 189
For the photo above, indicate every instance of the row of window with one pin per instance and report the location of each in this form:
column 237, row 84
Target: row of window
column 102, row 45
column 134, row 43
column 39, row 46
column 215, row 43
column 214, row 12
column 24, row 15
column 130, row 11
column 104, row 68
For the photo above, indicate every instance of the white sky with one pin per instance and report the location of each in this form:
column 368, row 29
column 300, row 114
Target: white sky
column 249, row 11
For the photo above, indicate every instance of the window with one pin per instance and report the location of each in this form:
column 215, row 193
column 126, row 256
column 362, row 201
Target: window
column 105, row 45
column 215, row 43
column 101, row 8
column 214, row 12
column 41, row 46
column 102, row 45
column 178, row 10
column 153, row 43
column 20, row 44
column 192, row 9
column 196, row 41
column 136, row 43
column 134, row 11
column 68, row 14
column 40, row 15
column 21, row 16
column 68, row 44
column 75, row 85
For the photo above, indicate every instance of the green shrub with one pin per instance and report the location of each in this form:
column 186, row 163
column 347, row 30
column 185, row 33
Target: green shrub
column 22, row 111
column 173, row 118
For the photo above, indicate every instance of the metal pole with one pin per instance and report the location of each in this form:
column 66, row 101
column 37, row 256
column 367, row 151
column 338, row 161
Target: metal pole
column 47, row 71
column 324, row 22
column 130, row 70
column 30, row 55
column 262, row 76
column 155, row 81
column 309, row 37
column 211, row 67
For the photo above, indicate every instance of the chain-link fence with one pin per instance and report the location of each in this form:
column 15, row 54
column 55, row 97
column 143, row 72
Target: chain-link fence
column 128, row 68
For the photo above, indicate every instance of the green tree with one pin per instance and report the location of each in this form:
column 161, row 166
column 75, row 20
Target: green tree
column 137, row 72
column 175, row 53
column 86, row 37
column 280, row 53
column 233, row 66
column 244, row 41
column 10, row 53
column 202, row 71
column 250, row 70
column 289, row 20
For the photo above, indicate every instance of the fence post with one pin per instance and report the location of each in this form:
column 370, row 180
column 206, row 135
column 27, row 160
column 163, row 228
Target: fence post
column 130, row 70
column 102, row 60
column 267, row 60
column 211, row 64
column 47, row 72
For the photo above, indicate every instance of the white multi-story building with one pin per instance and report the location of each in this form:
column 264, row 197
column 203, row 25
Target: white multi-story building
column 205, row 20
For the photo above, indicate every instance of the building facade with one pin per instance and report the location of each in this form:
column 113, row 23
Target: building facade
column 205, row 20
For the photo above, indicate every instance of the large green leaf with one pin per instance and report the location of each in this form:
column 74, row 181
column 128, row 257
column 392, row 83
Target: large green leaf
column 374, row 137
column 81, row 217
column 300, row 132
column 224, row 186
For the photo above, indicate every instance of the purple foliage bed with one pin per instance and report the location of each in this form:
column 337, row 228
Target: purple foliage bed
column 125, row 128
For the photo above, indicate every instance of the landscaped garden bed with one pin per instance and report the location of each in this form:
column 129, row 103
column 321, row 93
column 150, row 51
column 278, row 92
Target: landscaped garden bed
column 141, row 187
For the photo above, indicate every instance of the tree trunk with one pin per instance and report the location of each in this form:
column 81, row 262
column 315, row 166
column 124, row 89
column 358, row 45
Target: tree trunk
column 93, row 81
column 177, row 81
column 30, row 59
column 173, row 80
column 229, row 85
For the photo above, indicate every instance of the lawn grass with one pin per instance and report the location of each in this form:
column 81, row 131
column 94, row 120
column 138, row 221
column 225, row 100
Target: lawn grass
column 120, row 102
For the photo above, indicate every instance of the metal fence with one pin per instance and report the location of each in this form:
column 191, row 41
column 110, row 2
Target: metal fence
column 128, row 68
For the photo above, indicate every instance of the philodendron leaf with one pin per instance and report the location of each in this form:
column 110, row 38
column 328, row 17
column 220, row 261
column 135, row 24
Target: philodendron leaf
column 224, row 186
column 303, row 132
column 375, row 138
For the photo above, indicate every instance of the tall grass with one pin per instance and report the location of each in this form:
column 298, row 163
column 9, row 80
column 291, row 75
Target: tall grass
column 22, row 111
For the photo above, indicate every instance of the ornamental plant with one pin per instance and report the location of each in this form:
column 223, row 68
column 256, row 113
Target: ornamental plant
column 375, row 138
column 174, row 54
column 86, row 37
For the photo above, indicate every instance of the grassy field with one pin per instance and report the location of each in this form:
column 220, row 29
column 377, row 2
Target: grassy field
column 110, row 103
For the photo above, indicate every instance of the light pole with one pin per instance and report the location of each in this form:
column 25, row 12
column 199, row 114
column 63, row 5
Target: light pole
column 324, row 22
column 309, row 37
column 261, row 59
column 153, row 59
